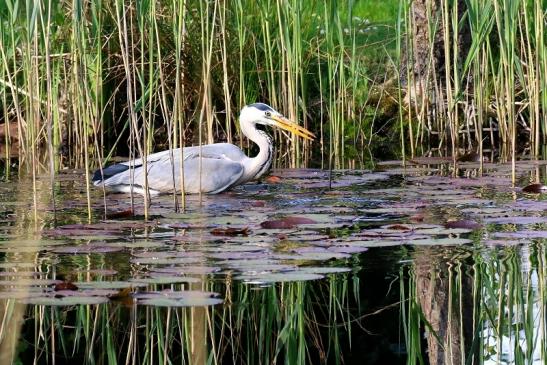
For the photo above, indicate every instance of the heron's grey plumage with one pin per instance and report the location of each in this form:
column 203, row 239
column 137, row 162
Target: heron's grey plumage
column 222, row 165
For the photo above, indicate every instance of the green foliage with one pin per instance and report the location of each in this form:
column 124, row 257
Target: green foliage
column 162, row 72
column 484, row 77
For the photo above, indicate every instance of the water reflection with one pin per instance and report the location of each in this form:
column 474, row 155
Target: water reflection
column 409, row 265
column 443, row 296
column 483, row 307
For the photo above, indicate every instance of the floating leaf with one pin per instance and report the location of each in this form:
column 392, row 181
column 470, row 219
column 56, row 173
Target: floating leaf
column 86, row 293
column 83, row 249
column 183, row 226
column 185, row 302
column 108, row 284
column 37, row 244
column 516, row 220
column 398, row 227
column 291, row 276
column 65, row 285
column 159, row 278
column 101, row 272
column 313, row 256
column 64, row 301
column 324, row 270
column 528, row 234
column 231, row 231
column 167, row 254
column 192, row 270
column 29, row 282
column 258, row 204
column 120, row 214
column 440, row 230
column 360, row 242
column 349, row 249
column 287, row 222
column 301, row 173
column 231, row 247
column 439, row 242
column 171, row 294
column 166, row 260
column 238, row 255
column 14, row 275
column 463, row 224
column 23, row 293
column 424, row 160
column 535, row 189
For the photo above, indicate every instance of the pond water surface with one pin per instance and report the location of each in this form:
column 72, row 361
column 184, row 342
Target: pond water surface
column 421, row 261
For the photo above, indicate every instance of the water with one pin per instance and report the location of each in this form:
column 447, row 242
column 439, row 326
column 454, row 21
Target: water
column 406, row 263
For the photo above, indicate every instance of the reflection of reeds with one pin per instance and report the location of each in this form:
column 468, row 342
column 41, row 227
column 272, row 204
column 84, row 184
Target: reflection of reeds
column 27, row 228
column 283, row 322
column 495, row 310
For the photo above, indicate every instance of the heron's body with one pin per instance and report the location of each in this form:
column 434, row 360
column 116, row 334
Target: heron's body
column 210, row 168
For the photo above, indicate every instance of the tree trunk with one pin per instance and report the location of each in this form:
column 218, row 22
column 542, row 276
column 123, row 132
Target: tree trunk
column 423, row 63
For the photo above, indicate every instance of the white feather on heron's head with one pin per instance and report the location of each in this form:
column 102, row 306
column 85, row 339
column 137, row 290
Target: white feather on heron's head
column 260, row 113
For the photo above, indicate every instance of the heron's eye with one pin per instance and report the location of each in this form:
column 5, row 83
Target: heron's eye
column 268, row 114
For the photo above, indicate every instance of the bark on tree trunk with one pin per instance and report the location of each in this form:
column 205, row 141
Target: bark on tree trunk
column 423, row 63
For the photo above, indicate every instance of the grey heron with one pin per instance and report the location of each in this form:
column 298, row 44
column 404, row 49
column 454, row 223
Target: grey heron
column 222, row 165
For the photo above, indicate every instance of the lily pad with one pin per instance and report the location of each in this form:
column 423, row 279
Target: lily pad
column 535, row 189
column 171, row 294
column 516, row 220
column 463, row 224
column 87, row 293
column 324, row 270
column 287, row 222
column 86, row 249
column 29, row 282
column 165, row 279
column 292, row 276
column 108, row 284
column 166, row 260
column 184, row 302
column 439, row 242
column 189, row 270
column 65, row 301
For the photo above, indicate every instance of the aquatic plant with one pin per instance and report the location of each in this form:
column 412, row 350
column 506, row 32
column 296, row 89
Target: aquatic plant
column 81, row 77
column 473, row 74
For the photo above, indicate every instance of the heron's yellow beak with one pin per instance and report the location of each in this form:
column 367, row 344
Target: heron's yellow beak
column 294, row 128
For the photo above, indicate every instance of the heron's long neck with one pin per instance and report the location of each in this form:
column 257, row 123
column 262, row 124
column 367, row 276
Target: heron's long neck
column 258, row 165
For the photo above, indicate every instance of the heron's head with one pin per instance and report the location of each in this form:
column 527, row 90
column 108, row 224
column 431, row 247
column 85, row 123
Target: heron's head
column 259, row 113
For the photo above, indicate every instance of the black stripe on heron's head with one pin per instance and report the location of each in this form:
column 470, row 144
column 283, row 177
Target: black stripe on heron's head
column 261, row 106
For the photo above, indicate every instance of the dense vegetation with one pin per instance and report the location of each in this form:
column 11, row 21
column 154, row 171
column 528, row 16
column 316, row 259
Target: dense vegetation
column 80, row 77
column 476, row 74
column 83, row 76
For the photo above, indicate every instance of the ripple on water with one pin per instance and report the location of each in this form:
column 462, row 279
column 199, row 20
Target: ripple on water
column 292, row 228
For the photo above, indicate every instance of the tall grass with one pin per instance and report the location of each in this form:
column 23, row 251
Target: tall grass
column 488, row 89
column 82, row 77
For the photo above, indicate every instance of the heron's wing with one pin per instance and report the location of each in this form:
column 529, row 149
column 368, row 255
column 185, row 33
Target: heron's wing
column 229, row 150
column 218, row 173
column 219, row 163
